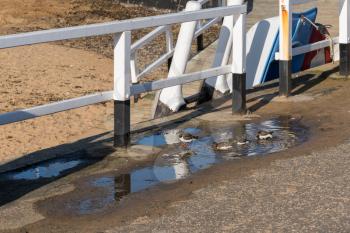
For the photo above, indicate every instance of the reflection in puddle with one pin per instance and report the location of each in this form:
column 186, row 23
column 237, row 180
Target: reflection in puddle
column 99, row 193
column 17, row 183
column 167, row 137
column 45, row 170
column 180, row 162
column 52, row 170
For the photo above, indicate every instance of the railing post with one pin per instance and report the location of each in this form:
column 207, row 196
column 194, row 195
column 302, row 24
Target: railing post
column 169, row 43
column 285, row 50
column 122, row 80
column 216, row 87
column 239, row 66
column 344, row 37
column 134, row 70
column 134, row 73
column 200, row 43
column 171, row 99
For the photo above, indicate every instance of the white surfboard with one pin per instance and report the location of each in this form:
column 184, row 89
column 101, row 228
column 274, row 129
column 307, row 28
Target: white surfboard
column 260, row 41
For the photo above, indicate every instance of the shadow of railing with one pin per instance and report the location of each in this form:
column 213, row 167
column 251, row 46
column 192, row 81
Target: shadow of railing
column 49, row 165
column 300, row 86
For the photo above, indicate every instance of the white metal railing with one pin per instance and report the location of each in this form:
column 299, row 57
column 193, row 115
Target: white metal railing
column 299, row 2
column 286, row 50
column 122, row 56
column 99, row 29
column 137, row 75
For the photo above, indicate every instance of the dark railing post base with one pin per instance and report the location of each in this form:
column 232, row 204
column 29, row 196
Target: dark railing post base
column 170, row 60
column 344, row 62
column 200, row 43
column 239, row 94
column 285, row 79
column 121, row 123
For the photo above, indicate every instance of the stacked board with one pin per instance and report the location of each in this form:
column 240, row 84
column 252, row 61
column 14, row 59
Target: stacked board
column 263, row 43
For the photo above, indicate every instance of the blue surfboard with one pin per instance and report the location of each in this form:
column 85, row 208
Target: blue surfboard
column 301, row 34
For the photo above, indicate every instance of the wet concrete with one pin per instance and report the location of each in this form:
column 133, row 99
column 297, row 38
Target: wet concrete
column 173, row 160
column 253, row 192
column 15, row 184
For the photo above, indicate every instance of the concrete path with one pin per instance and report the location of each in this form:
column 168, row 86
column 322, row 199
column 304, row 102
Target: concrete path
column 302, row 194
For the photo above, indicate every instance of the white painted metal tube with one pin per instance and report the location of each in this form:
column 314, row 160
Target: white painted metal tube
column 170, row 49
column 122, row 72
column 179, row 80
column 172, row 96
column 344, row 22
column 223, row 50
column 239, row 45
column 47, row 109
column 311, row 47
column 285, row 38
column 222, row 55
column 114, row 27
column 147, row 38
column 160, row 61
column 206, row 26
column 344, row 38
column 169, row 39
column 299, row 2
column 133, row 67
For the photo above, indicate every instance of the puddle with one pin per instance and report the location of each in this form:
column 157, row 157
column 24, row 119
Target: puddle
column 165, row 138
column 54, row 168
column 176, row 162
column 49, row 170
column 17, row 183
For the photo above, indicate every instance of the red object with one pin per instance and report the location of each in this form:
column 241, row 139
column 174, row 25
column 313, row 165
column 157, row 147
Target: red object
column 310, row 56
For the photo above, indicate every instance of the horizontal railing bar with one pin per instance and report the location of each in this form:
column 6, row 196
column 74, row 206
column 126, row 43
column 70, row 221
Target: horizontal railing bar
column 206, row 26
column 202, row 2
column 159, row 30
column 47, row 109
column 147, row 38
column 315, row 46
column 311, row 47
column 51, row 35
column 164, row 58
column 183, row 79
column 299, row 2
column 26, row 114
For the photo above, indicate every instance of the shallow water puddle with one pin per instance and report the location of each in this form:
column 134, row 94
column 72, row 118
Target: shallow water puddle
column 49, row 169
column 177, row 160
column 17, row 183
